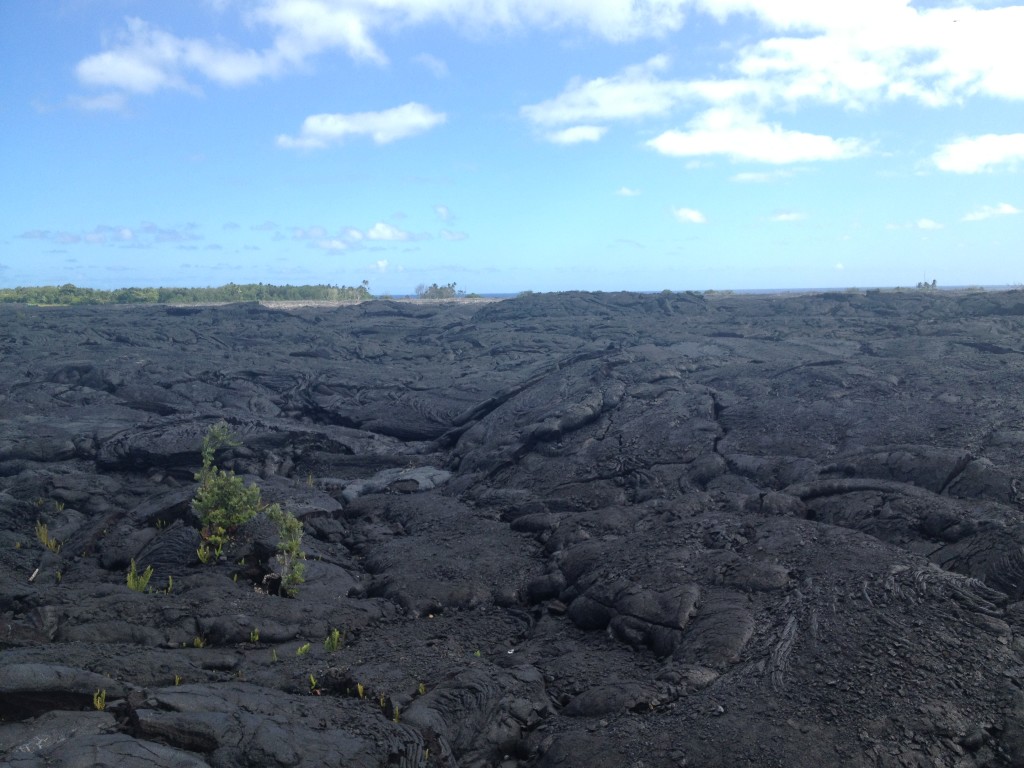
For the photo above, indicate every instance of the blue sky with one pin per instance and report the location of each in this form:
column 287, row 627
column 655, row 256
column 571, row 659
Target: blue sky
column 508, row 145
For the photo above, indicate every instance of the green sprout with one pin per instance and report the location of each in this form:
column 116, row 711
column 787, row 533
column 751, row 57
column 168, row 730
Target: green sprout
column 137, row 582
column 333, row 641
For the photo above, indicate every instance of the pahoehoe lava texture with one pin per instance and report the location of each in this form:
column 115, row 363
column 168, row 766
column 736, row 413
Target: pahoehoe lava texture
column 561, row 530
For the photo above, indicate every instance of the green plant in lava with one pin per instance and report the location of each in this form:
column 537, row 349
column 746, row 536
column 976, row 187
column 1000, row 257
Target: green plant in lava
column 289, row 549
column 137, row 582
column 333, row 641
column 43, row 534
column 223, row 502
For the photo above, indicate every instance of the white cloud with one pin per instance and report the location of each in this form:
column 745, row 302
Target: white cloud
column 789, row 216
column 145, row 59
column 975, row 154
column 689, row 216
column 927, row 224
column 319, row 131
column 742, row 136
column 636, row 92
column 988, row 211
column 839, row 267
column 382, row 265
column 333, row 244
column 382, row 231
column 848, row 54
column 451, row 235
column 436, row 66
column 627, row 192
column 443, row 212
column 577, row 134
column 852, row 55
column 855, row 54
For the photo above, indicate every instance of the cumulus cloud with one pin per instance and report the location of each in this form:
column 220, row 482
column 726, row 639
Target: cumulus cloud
column 319, row 131
column 577, row 134
column 851, row 56
column 927, row 224
column 988, row 211
column 974, row 154
column 382, row 231
column 857, row 54
column 741, row 136
column 689, row 216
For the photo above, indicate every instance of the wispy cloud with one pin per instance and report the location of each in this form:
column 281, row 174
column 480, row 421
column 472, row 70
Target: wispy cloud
column 452, row 235
column 627, row 192
column 436, row 66
column 143, row 235
column 975, row 154
column 577, row 134
column 988, row 211
column 104, row 102
column 143, row 58
column 319, row 131
column 788, row 216
column 689, row 216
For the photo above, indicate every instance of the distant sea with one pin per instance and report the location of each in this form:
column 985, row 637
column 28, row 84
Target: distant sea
column 764, row 291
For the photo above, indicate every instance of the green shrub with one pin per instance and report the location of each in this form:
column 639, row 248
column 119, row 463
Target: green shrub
column 223, row 500
column 289, row 549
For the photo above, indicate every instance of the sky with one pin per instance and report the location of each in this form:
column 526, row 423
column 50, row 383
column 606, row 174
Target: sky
column 511, row 145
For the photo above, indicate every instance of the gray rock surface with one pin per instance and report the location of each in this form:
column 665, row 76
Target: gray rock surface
column 561, row 530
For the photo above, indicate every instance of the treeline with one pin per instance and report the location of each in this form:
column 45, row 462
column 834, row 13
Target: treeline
column 436, row 291
column 72, row 294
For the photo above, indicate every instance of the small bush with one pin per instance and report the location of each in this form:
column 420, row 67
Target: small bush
column 289, row 549
column 223, row 500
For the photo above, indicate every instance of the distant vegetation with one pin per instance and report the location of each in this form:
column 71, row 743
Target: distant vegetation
column 71, row 294
column 436, row 291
